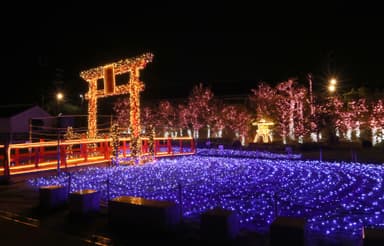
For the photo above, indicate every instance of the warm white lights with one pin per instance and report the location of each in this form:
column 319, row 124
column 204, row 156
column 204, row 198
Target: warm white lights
column 59, row 96
column 332, row 85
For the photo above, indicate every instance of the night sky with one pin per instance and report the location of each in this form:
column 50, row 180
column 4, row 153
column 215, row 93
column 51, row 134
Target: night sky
column 228, row 47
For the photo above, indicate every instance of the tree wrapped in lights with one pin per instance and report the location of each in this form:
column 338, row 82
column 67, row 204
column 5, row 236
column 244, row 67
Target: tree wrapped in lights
column 303, row 107
column 327, row 116
column 344, row 122
column 167, row 118
column 290, row 97
column 198, row 108
column 122, row 111
column 286, row 105
column 151, row 140
column 216, row 120
column 376, row 121
column 282, row 105
column 183, row 116
column 238, row 120
column 148, row 116
column 70, row 135
column 360, row 116
column 264, row 99
column 348, row 117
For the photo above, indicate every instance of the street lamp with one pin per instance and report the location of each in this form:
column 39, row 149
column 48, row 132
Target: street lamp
column 82, row 98
column 332, row 85
column 59, row 98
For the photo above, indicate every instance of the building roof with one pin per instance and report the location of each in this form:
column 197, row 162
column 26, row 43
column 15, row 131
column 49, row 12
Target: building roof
column 7, row 111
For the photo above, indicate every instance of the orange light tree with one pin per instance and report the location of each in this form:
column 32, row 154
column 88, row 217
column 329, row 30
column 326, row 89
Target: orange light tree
column 133, row 88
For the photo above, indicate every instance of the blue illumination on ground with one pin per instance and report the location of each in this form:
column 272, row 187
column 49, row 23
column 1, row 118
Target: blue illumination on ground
column 337, row 199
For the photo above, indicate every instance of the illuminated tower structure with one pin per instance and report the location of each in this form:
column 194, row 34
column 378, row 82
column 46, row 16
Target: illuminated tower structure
column 133, row 88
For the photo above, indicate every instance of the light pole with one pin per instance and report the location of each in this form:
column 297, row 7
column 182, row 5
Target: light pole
column 332, row 86
column 59, row 98
column 58, row 144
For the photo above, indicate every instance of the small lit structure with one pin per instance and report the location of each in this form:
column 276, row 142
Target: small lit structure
column 141, row 214
column 263, row 131
column 52, row 196
column 84, row 202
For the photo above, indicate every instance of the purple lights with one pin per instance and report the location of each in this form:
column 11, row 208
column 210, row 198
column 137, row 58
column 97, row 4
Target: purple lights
column 337, row 199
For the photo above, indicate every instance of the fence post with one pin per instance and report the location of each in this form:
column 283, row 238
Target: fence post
column 181, row 145
column 193, row 147
column 37, row 156
column 63, row 156
column 41, row 152
column 6, row 163
column 169, row 145
column 58, row 152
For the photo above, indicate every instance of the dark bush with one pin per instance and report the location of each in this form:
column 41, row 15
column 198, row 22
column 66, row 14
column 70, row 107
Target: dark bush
column 310, row 146
column 236, row 144
column 366, row 144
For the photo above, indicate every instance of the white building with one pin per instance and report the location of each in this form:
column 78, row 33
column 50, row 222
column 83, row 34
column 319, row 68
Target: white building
column 15, row 121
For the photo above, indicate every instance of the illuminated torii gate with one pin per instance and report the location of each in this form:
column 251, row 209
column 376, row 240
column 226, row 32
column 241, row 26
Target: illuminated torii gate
column 133, row 88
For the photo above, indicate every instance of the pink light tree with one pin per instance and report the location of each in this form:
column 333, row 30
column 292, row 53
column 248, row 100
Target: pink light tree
column 291, row 101
column 344, row 123
column 198, row 108
column 326, row 117
column 302, row 110
column 359, row 115
column 376, row 122
column 148, row 117
column 183, row 118
column 285, row 104
column 283, row 117
column 122, row 110
column 263, row 98
column 215, row 119
column 167, row 118
column 238, row 120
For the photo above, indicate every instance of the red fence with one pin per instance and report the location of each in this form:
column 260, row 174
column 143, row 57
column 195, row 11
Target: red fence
column 50, row 155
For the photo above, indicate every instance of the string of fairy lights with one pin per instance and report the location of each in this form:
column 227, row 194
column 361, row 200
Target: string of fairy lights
column 115, row 140
column 336, row 199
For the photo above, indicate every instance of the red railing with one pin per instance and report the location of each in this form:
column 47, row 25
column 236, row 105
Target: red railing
column 51, row 155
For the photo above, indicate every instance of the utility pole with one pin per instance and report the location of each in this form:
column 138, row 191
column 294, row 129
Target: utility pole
column 58, row 143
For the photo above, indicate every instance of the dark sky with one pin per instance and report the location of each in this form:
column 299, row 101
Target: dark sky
column 228, row 46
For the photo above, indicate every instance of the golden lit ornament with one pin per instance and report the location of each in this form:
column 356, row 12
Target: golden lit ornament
column 263, row 132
